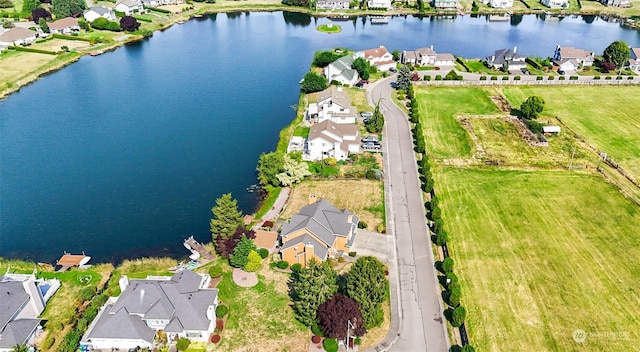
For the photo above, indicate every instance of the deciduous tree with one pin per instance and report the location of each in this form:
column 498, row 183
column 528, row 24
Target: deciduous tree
column 240, row 256
column 362, row 66
column 324, row 58
column 183, row 344
column 447, row 265
column 294, row 171
column 617, row 53
column 129, row 23
column 532, row 107
column 226, row 246
column 310, row 287
column 458, row 316
column 367, row 284
column 226, row 217
column 313, row 82
column 270, row 165
column 335, row 314
column 39, row 13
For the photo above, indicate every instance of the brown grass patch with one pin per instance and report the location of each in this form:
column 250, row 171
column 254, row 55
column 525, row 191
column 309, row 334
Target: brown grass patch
column 278, row 279
column 57, row 44
column 146, row 265
column 354, row 195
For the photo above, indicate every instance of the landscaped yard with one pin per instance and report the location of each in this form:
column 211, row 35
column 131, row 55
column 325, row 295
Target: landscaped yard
column 542, row 254
column 605, row 116
column 363, row 197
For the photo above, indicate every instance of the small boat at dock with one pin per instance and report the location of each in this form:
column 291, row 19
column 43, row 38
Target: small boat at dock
column 96, row 53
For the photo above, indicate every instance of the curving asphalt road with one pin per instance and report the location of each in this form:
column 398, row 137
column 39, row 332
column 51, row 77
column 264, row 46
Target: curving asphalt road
column 417, row 322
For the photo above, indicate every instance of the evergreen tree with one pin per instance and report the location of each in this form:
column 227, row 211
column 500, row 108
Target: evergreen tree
column 254, row 262
column 43, row 25
column 240, row 255
column 311, row 287
column 367, row 284
column 226, row 217
column 404, row 78
column 376, row 122
column 30, row 5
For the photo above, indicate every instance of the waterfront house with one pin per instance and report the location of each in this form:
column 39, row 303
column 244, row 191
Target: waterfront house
column 129, row 7
column 22, row 299
column 569, row 58
column 506, row 59
column 616, row 3
column 420, row 56
column 332, row 4
column 95, row 12
column 318, row 231
column 444, row 60
column 181, row 305
column 379, row 4
column 328, row 139
column 378, row 57
column 341, row 71
column 65, row 25
column 634, row 59
column 333, row 104
column 501, row 4
column 445, row 4
column 555, row 4
column 17, row 36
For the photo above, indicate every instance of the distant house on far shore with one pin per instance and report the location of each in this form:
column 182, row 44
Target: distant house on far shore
column 616, row 3
column 555, row 4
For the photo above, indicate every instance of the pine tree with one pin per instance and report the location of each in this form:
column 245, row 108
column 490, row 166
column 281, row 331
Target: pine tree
column 29, row 5
column 404, row 78
column 240, row 255
column 311, row 287
column 254, row 262
column 367, row 284
column 43, row 25
column 226, row 217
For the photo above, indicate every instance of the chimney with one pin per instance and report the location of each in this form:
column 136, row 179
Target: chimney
column 515, row 49
column 431, row 46
column 123, row 282
column 312, row 198
column 309, row 252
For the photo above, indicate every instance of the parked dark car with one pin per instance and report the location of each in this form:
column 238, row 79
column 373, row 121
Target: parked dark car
column 561, row 72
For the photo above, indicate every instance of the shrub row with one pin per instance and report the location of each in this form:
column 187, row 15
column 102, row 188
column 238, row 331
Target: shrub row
column 157, row 9
column 31, row 50
column 533, row 63
column 143, row 19
column 463, row 63
column 70, row 37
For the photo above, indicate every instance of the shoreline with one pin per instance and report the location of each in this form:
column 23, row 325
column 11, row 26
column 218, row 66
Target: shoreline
column 210, row 9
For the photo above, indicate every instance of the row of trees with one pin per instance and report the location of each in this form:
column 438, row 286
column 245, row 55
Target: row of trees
column 453, row 292
column 326, row 301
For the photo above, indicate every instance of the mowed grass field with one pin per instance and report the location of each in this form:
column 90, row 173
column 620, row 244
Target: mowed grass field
column 541, row 254
column 607, row 117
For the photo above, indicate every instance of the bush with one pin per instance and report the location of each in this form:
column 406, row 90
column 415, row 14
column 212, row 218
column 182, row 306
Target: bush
column 156, row 9
column 215, row 271
column 458, row 316
column 221, row 311
column 451, row 76
column 454, row 296
column 619, row 77
column 315, row 329
column 48, row 342
column 330, row 345
column 427, row 78
column 436, row 213
column 362, row 224
column 561, row 78
column 573, row 78
column 438, row 78
column 352, row 254
column 550, row 78
column 442, row 238
column 219, row 325
column 215, row 338
column 263, row 252
column 596, row 77
column 99, row 300
column 87, row 293
column 296, row 267
column 380, row 228
column 452, row 281
column 330, row 161
column 316, row 339
column 447, row 265
column 505, row 78
column 517, row 78
column 283, row 264
column 539, row 78
column 483, row 78
column 494, row 78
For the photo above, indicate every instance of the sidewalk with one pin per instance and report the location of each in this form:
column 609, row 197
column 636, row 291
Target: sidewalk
column 275, row 211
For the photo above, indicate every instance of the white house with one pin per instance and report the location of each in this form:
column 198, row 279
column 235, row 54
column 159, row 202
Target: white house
column 181, row 305
column 333, row 104
column 129, row 7
column 634, row 59
column 501, row 4
column 577, row 57
column 555, row 4
column 17, row 36
column 420, row 56
column 444, row 60
column 506, row 59
column 22, row 299
column 445, row 4
column 378, row 57
column 65, row 25
column 379, row 4
column 332, row 4
column 341, row 71
column 617, row 3
column 95, row 12
column 331, row 140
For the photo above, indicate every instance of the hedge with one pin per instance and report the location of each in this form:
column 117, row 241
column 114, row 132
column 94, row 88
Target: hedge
column 143, row 19
column 156, row 9
column 464, row 64
column 70, row 37
column 533, row 63
column 517, row 78
column 573, row 78
column 30, row 50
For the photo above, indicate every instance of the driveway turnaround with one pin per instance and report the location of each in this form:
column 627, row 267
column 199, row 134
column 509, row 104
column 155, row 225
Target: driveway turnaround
column 417, row 320
column 373, row 244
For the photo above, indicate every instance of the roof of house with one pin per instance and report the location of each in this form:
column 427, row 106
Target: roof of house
column 16, row 34
column 445, row 57
column 504, row 55
column 129, row 3
column 569, row 52
column 636, row 52
column 343, row 65
column 323, row 220
column 178, row 300
column 337, row 96
column 121, row 325
column 425, row 51
column 340, row 130
column 265, row 239
column 100, row 10
column 318, row 248
column 17, row 332
column 12, row 298
column 375, row 53
column 64, row 23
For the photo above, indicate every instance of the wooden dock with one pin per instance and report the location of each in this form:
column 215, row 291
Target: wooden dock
column 197, row 247
column 69, row 260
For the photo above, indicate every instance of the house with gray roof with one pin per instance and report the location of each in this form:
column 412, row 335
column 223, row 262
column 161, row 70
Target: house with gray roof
column 22, row 300
column 318, row 231
column 634, row 59
column 341, row 71
column 616, row 3
column 181, row 305
column 506, row 59
column 333, row 104
column 328, row 139
column 129, row 7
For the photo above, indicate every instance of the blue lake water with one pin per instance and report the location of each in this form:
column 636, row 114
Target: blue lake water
column 124, row 154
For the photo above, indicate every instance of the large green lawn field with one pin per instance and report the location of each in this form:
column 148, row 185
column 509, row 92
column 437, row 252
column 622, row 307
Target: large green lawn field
column 607, row 117
column 542, row 254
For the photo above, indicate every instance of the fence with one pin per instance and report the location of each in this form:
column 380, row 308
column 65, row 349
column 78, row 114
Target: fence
column 633, row 81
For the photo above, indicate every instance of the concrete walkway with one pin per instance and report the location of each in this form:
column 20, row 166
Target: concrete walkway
column 417, row 321
column 275, row 211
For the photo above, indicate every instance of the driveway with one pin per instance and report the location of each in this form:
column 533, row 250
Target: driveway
column 373, row 244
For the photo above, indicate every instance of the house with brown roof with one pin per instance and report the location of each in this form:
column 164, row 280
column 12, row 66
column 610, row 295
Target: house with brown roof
column 17, row 36
column 318, row 231
column 634, row 59
column 378, row 57
column 333, row 104
column 568, row 58
column 65, row 25
column 328, row 139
